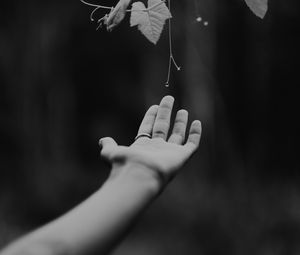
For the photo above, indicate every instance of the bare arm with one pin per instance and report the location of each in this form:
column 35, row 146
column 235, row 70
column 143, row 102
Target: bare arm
column 139, row 173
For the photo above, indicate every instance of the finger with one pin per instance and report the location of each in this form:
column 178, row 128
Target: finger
column 107, row 145
column 178, row 133
column 162, row 121
column 148, row 120
column 194, row 136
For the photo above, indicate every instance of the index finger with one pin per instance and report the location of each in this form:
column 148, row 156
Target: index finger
column 148, row 120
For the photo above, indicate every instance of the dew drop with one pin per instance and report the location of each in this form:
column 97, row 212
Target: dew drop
column 198, row 19
column 167, row 84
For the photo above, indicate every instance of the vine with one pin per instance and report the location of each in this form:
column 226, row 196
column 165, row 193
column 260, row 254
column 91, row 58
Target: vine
column 140, row 13
column 156, row 12
column 171, row 58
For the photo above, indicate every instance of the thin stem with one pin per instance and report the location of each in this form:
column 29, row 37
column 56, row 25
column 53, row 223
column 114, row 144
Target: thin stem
column 96, row 5
column 174, row 62
column 93, row 12
column 171, row 58
column 196, row 8
column 101, row 21
column 169, row 71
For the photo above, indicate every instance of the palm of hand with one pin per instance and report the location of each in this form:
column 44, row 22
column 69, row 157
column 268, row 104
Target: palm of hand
column 165, row 156
column 158, row 154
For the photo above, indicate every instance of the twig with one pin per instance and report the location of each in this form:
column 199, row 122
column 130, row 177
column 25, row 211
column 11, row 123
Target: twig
column 171, row 58
column 97, row 6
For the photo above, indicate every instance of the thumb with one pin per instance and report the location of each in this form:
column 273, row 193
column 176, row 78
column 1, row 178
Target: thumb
column 108, row 146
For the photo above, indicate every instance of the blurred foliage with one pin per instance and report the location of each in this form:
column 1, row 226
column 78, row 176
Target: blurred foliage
column 65, row 85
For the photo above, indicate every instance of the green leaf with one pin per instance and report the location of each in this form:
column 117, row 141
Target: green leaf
column 259, row 7
column 151, row 20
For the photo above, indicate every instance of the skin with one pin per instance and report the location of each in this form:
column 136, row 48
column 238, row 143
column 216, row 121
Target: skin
column 164, row 156
column 139, row 174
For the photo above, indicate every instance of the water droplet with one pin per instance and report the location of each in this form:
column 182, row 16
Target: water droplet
column 205, row 23
column 167, row 84
column 198, row 19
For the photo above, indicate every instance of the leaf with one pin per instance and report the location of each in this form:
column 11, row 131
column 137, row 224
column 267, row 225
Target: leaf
column 259, row 7
column 151, row 20
column 117, row 14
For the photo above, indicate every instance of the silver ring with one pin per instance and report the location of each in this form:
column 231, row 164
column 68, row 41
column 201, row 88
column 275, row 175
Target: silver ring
column 142, row 135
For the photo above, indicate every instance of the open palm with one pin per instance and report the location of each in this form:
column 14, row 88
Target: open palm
column 157, row 152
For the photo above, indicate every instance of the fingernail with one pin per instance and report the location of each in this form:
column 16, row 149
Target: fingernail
column 170, row 98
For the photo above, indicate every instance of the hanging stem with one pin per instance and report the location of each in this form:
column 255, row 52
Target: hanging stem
column 103, row 19
column 97, row 7
column 171, row 58
column 196, row 8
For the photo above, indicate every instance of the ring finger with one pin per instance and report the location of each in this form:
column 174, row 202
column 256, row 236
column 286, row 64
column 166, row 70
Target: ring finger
column 178, row 133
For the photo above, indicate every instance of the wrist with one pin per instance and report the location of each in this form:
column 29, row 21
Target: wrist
column 137, row 174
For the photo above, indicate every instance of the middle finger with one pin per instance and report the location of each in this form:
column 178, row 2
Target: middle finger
column 162, row 121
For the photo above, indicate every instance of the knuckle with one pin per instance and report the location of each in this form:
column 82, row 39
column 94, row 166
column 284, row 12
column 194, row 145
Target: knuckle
column 178, row 138
column 180, row 122
column 159, row 133
column 179, row 128
column 163, row 115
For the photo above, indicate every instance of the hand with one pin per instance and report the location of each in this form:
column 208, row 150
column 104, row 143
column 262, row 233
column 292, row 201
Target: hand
column 160, row 154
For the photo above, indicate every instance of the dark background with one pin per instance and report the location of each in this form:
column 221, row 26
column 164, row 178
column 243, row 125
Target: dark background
column 65, row 85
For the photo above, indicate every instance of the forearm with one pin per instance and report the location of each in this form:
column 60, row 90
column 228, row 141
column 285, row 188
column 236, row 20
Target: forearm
column 110, row 212
column 102, row 220
column 139, row 173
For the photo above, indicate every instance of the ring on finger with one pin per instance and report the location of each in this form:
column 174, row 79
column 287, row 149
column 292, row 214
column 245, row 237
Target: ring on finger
column 142, row 135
